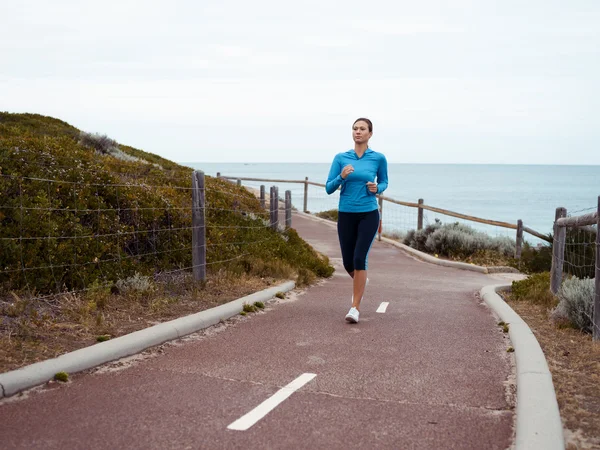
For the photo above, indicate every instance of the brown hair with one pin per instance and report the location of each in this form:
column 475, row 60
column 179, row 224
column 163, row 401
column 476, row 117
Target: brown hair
column 369, row 123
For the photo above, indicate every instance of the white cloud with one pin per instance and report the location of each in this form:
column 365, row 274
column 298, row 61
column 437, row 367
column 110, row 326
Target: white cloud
column 404, row 27
column 445, row 79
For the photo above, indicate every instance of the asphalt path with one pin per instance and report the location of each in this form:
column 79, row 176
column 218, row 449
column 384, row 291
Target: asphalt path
column 431, row 372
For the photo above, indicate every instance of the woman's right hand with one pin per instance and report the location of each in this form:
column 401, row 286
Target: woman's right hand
column 347, row 171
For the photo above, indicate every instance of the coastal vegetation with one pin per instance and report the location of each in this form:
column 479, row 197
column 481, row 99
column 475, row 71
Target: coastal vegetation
column 562, row 326
column 96, row 240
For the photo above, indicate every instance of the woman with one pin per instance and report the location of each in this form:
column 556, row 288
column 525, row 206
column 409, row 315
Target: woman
column 356, row 171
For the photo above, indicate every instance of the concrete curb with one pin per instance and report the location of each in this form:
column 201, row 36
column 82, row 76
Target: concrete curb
column 130, row 344
column 422, row 256
column 538, row 418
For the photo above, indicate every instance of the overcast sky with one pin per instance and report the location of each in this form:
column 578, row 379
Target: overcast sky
column 461, row 81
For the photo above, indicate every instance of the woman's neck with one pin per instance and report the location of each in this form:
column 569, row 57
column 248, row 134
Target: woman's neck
column 360, row 149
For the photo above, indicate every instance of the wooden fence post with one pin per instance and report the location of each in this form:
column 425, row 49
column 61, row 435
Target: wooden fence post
column 276, row 206
column 288, row 209
column 420, row 216
column 519, row 246
column 596, row 332
column 305, row 195
column 380, row 219
column 239, row 182
column 558, row 251
column 262, row 196
column 218, row 174
column 272, row 207
column 198, row 226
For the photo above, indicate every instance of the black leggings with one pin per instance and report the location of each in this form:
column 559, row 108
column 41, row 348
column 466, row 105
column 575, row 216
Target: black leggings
column 357, row 232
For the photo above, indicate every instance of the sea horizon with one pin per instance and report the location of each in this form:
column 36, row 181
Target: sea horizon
column 195, row 163
column 501, row 192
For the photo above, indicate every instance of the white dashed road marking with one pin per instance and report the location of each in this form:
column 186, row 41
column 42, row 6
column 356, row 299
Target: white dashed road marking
column 382, row 307
column 246, row 421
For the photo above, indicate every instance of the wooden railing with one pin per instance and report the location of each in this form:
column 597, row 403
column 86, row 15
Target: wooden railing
column 420, row 205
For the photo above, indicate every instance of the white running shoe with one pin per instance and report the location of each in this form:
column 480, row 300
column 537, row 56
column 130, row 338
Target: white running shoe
column 352, row 315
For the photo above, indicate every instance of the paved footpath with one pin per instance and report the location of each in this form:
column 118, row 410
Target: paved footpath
column 429, row 373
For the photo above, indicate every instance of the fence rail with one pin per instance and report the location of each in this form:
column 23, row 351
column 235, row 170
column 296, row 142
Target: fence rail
column 579, row 221
column 420, row 206
column 584, row 223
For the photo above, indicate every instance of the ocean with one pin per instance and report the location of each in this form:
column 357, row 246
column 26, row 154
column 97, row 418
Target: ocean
column 496, row 192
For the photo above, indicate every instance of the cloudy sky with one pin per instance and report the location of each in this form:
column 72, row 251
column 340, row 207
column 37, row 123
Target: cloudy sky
column 461, row 81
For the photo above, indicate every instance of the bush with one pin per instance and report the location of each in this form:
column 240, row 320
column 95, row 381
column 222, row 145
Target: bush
column 579, row 246
column 136, row 284
column 457, row 240
column 535, row 259
column 99, row 142
column 103, row 219
column 534, row 289
column 418, row 238
column 61, row 376
column 576, row 303
column 332, row 214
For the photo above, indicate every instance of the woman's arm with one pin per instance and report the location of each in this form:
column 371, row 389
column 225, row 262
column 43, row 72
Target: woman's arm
column 382, row 175
column 334, row 180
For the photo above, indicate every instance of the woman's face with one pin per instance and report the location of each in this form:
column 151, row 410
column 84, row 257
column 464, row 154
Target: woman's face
column 360, row 132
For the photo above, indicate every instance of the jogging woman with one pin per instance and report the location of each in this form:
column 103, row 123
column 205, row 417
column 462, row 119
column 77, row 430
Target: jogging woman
column 362, row 173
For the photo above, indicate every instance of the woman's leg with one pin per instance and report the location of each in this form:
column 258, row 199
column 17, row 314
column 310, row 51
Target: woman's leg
column 367, row 230
column 358, row 287
column 347, row 227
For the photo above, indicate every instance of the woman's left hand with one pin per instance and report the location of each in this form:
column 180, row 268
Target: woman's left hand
column 372, row 187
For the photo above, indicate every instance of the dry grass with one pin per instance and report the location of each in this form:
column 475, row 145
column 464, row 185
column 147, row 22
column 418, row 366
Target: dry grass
column 35, row 330
column 574, row 361
column 488, row 258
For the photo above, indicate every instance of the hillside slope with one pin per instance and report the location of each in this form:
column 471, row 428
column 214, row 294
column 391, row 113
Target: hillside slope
column 75, row 214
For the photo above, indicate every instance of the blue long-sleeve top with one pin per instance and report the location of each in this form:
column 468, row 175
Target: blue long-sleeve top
column 354, row 196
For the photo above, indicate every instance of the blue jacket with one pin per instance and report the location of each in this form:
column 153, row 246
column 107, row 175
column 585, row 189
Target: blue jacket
column 354, row 196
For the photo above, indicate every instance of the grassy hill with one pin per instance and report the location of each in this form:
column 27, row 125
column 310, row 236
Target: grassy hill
column 84, row 215
column 57, row 188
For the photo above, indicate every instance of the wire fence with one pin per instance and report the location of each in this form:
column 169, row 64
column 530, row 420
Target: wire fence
column 85, row 231
column 65, row 235
column 575, row 241
column 576, row 255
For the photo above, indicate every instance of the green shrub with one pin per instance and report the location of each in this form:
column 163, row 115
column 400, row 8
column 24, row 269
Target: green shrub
column 534, row 289
column 576, row 303
column 579, row 246
column 305, row 278
column 248, row 308
column 457, row 240
column 534, row 259
column 331, row 214
column 61, row 376
column 418, row 238
column 77, row 218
